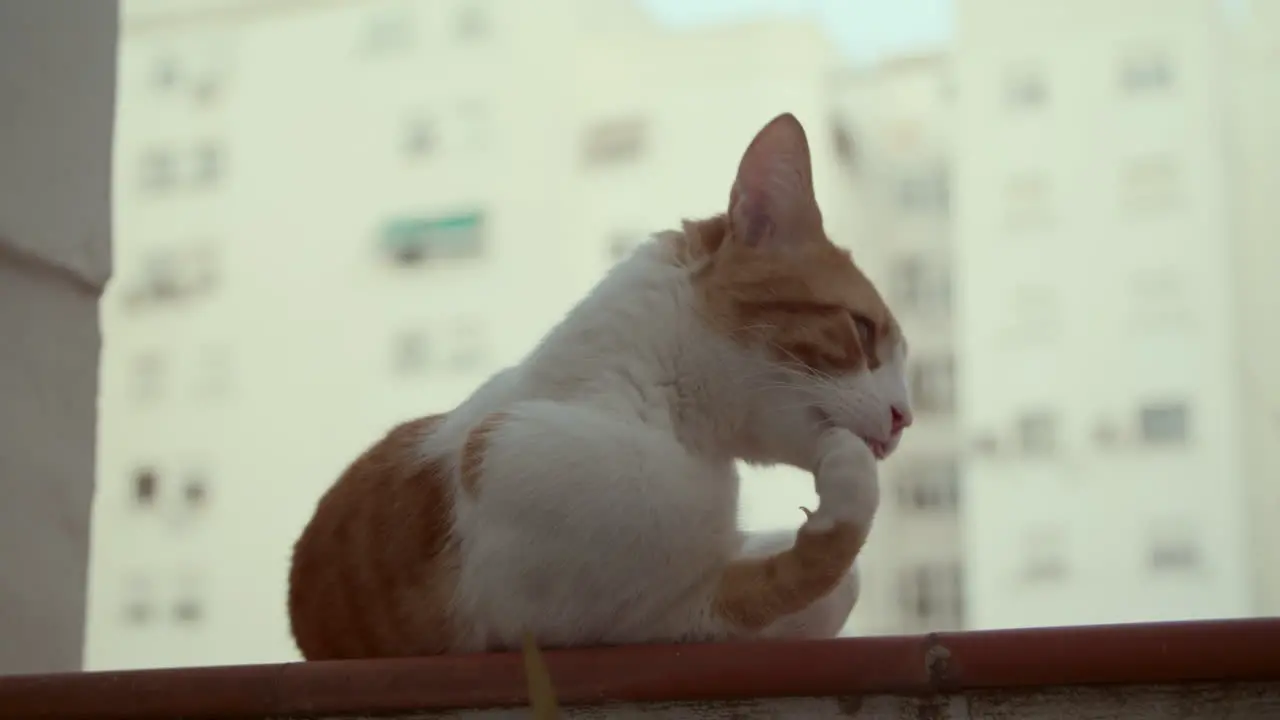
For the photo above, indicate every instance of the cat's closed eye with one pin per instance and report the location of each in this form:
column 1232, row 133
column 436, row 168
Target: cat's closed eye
column 865, row 327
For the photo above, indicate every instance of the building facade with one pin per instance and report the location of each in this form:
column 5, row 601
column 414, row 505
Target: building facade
column 895, row 120
column 1099, row 386
column 55, row 257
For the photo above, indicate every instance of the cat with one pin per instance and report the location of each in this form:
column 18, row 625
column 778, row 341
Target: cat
column 588, row 495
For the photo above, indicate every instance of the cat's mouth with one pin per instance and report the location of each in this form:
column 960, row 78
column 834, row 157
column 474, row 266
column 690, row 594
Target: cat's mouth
column 879, row 448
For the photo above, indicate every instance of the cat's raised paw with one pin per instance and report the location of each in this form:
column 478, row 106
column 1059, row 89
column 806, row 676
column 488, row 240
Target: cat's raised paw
column 846, row 480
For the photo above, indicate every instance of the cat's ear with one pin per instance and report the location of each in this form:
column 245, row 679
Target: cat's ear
column 772, row 201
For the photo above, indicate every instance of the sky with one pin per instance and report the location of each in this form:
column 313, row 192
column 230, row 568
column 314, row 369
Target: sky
column 865, row 30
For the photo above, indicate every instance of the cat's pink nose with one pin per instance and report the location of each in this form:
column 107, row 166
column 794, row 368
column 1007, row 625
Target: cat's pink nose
column 900, row 418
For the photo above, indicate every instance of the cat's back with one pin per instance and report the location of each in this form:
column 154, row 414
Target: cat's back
column 375, row 570
column 377, row 534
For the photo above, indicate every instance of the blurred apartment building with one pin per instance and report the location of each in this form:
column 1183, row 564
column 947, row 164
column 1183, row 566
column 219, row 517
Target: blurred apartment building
column 334, row 216
column 1116, row 267
column 895, row 125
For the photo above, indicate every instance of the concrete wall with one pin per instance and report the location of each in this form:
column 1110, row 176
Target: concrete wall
column 57, row 81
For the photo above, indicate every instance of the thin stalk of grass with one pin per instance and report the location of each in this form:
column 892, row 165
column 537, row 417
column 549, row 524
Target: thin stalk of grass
column 542, row 694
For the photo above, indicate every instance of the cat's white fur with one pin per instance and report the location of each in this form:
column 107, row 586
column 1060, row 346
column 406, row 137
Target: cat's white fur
column 608, row 503
column 610, row 497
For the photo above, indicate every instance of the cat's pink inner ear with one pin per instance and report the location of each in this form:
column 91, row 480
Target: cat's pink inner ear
column 772, row 201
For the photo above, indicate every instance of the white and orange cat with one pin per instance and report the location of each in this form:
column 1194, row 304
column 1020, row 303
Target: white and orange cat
column 588, row 495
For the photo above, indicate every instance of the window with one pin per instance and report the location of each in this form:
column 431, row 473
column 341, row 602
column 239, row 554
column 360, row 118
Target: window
column 208, row 163
column 137, row 603
column 419, row 137
column 842, row 141
column 1027, row 200
column 205, row 88
column 614, row 142
column 1158, row 299
column 921, row 286
column 932, row 385
column 389, row 31
column 187, row 609
column 214, row 372
column 416, row 240
column 157, row 170
column 468, row 347
column 146, row 486
column 1149, row 183
column 930, row 486
column 1026, row 89
column 925, row 193
column 1146, row 72
column 411, row 352
column 196, row 491
column 148, row 376
column 1173, row 548
column 472, row 22
column 165, row 74
column 1164, row 423
column 1033, row 315
column 1045, row 556
column 473, row 117
column 932, row 595
column 174, row 273
column 1038, row 433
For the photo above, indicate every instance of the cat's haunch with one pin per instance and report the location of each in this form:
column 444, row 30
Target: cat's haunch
column 589, row 494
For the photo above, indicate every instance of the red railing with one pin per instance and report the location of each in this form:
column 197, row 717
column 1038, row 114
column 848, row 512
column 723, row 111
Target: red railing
column 1224, row 652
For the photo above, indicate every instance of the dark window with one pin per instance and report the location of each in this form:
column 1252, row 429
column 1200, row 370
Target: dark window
column 932, row 385
column 420, row 137
column 842, row 141
column 1170, row 554
column 473, row 22
column 165, row 74
column 1038, row 433
column 930, row 486
column 1145, row 73
column 614, row 142
column 1164, row 423
column 411, row 352
column 932, row 595
column 158, row 170
column 146, row 486
column 137, row 612
column 1027, row 89
column 925, row 193
column 208, row 163
column 921, row 285
column 196, row 491
column 187, row 611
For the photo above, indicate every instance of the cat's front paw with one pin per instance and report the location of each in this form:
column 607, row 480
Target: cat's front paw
column 847, row 481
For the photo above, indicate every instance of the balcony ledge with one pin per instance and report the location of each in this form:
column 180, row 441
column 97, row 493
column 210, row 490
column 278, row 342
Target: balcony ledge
column 1186, row 670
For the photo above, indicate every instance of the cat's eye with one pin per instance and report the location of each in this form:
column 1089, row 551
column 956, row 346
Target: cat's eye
column 865, row 328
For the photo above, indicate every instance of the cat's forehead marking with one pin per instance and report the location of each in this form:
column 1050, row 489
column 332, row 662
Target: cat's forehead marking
column 802, row 300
